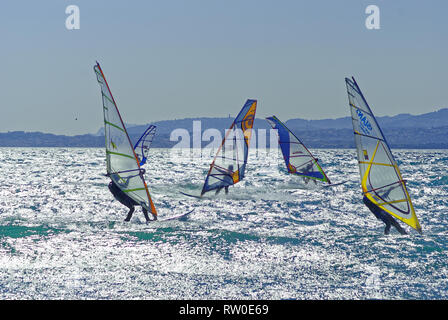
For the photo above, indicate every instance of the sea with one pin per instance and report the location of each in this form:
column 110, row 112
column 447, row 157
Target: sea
column 273, row 237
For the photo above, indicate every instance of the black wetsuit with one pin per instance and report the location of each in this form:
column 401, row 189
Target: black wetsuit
column 124, row 199
column 380, row 214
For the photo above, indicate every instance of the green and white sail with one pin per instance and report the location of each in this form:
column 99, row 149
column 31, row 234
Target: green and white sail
column 123, row 165
column 381, row 180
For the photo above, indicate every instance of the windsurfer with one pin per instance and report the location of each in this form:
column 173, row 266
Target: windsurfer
column 306, row 171
column 127, row 201
column 228, row 178
column 382, row 215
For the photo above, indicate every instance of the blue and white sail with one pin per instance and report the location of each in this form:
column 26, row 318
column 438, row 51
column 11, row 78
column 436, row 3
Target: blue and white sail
column 141, row 148
column 298, row 159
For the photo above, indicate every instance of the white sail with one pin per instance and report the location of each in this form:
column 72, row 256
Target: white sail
column 381, row 179
column 298, row 159
column 122, row 163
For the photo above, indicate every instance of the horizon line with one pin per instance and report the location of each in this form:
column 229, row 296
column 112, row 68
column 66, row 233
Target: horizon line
column 130, row 125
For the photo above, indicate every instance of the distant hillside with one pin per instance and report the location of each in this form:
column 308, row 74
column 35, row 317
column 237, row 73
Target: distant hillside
column 39, row 139
column 429, row 130
column 405, row 120
column 424, row 121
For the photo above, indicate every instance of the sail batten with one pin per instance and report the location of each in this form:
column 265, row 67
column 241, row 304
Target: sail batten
column 229, row 165
column 298, row 159
column 121, row 160
column 381, row 180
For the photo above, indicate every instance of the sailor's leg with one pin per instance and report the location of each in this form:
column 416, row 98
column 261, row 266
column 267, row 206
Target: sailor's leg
column 145, row 213
column 399, row 228
column 387, row 229
column 131, row 211
column 227, row 189
column 218, row 191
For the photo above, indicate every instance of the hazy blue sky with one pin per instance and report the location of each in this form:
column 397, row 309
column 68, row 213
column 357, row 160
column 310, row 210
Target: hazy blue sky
column 176, row 59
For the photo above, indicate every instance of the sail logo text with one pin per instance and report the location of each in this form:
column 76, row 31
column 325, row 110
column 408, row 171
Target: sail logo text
column 365, row 125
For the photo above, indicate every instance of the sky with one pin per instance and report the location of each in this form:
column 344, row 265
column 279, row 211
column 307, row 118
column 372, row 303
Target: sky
column 173, row 59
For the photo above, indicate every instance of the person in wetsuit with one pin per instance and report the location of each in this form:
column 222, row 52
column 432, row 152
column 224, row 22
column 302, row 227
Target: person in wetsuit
column 382, row 215
column 124, row 199
column 227, row 176
column 307, row 170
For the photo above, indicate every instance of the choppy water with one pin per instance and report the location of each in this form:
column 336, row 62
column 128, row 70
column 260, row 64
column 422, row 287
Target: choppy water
column 62, row 234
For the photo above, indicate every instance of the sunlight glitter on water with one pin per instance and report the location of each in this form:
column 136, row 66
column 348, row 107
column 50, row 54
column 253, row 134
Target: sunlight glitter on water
column 272, row 237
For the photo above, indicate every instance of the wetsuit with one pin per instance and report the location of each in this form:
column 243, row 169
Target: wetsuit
column 307, row 170
column 382, row 215
column 225, row 188
column 227, row 177
column 124, row 199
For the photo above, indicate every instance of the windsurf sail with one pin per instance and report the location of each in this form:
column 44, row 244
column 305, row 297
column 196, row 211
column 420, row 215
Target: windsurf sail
column 141, row 148
column 381, row 180
column 230, row 162
column 298, row 159
column 123, row 165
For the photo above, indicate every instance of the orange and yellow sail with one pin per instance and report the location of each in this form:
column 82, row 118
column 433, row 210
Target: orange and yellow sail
column 229, row 165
